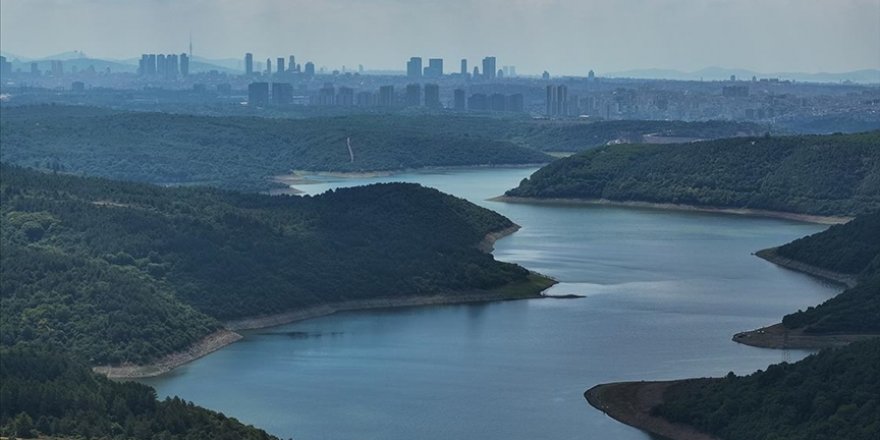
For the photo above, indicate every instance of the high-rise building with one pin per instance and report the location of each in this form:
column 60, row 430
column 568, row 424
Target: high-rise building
column 476, row 74
column 386, row 96
column 5, row 66
column 464, row 71
column 282, row 93
column 489, row 70
column 184, row 64
column 413, row 95
column 172, row 66
column 160, row 64
column 279, row 66
column 499, row 74
column 459, row 100
column 291, row 63
column 327, row 95
column 435, row 68
column 345, row 96
column 545, row 76
column 57, row 68
column 248, row 64
column 310, row 69
column 268, row 66
column 432, row 96
column 551, row 100
column 258, row 93
column 478, row 102
column 414, row 67
column 366, row 99
column 591, row 75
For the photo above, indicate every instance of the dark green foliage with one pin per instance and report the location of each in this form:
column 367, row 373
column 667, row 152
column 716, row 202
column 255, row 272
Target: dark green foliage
column 856, row 310
column 826, row 175
column 109, row 269
column 829, row 396
column 852, row 248
column 849, row 248
column 43, row 392
column 236, row 152
column 242, row 152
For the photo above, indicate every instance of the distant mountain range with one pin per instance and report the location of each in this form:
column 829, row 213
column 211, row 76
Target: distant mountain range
column 865, row 76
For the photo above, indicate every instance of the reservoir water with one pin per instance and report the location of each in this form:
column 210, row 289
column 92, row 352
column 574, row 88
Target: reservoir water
column 665, row 291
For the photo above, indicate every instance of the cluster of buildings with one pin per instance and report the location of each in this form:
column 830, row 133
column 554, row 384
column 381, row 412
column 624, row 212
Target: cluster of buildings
column 281, row 67
column 434, row 69
column 163, row 65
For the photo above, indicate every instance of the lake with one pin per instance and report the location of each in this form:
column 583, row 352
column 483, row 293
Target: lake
column 665, row 291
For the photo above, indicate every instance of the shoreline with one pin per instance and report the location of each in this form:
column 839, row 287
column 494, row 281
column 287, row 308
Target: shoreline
column 807, row 218
column 300, row 177
column 631, row 403
column 532, row 288
column 771, row 255
column 204, row 347
column 776, row 336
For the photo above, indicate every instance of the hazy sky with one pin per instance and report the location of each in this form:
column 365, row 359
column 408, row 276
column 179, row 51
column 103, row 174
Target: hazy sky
column 562, row 36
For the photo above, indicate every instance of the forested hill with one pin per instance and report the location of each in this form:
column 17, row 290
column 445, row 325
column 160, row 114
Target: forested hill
column 45, row 393
column 830, row 395
column 823, row 175
column 237, row 152
column 852, row 248
column 117, row 271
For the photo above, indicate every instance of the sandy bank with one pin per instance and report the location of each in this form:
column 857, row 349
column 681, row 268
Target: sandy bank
column 772, row 256
column 302, row 177
column 631, row 403
column 820, row 219
column 777, row 336
column 208, row 344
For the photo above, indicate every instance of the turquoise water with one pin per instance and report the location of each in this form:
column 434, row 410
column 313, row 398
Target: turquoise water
column 664, row 293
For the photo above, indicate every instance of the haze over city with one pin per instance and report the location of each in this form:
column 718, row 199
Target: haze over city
column 564, row 37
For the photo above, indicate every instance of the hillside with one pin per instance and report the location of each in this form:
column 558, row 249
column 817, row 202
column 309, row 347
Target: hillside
column 116, row 271
column 836, row 175
column 235, row 152
column 46, row 393
column 830, row 395
column 185, row 149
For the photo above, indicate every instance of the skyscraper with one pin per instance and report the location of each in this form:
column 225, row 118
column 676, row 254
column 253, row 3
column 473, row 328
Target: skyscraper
column 413, row 95
column 414, row 67
column 459, row 99
column 258, row 93
column 432, row 96
column 310, row 69
column 160, row 64
column 291, row 64
column 464, row 71
column 435, row 68
column 386, row 96
column 279, row 66
column 489, row 69
column 282, row 93
column 184, row 64
column 268, row 66
column 248, row 64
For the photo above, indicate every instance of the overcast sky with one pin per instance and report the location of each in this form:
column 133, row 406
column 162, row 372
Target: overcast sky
column 562, row 36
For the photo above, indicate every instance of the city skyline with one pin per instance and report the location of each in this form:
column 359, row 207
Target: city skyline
column 582, row 37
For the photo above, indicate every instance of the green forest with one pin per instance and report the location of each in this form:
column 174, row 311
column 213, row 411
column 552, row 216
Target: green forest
column 851, row 248
column 832, row 395
column 126, row 272
column 237, row 152
column 823, row 175
column 45, row 393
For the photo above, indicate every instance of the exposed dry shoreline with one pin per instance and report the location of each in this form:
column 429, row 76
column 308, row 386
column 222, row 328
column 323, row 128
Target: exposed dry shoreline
column 820, row 219
column 207, row 345
column 772, row 256
column 779, row 337
column 301, row 177
column 631, row 403
column 226, row 336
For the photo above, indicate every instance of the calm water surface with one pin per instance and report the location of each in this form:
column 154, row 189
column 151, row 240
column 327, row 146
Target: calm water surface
column 664, row 293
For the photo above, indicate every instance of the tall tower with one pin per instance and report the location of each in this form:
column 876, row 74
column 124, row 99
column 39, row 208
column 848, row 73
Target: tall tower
column 190, row 44
column 248, row 64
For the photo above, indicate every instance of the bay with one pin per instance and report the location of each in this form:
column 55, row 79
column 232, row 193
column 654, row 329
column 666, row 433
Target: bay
column 664, row 292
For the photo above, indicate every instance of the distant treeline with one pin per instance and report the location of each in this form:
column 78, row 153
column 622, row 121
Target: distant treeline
column 127, row 272
column 828, row 396
column 824, row 175
column 852, row 248
column 237, row 152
